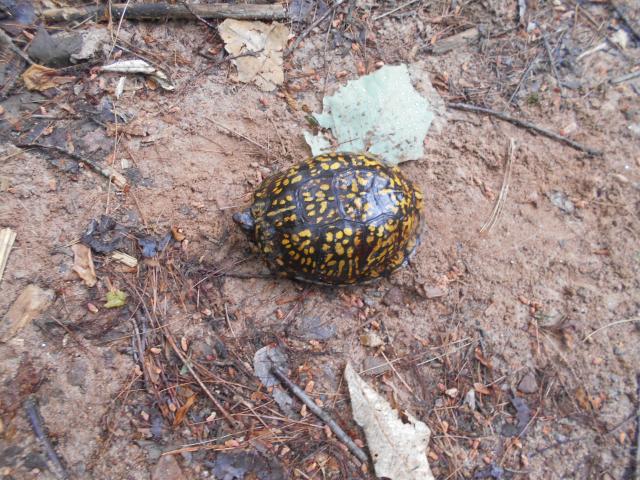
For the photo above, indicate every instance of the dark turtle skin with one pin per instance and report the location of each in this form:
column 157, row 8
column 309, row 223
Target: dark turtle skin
column 335, row 219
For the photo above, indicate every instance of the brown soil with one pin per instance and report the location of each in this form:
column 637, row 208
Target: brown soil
column 472, row 311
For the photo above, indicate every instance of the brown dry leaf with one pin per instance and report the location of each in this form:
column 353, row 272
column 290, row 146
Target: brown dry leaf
column 582, row 398
column 40, row 78
column 480, row 357
column 480, row 388
column 30, row 303
column 182, row 411
column 151, row 369
column 262, row 45
column 83, row 264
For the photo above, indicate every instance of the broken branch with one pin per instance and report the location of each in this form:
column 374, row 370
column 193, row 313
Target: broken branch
column 107, row 171
column 528, row 125
column 330, row 422
column 146, row 11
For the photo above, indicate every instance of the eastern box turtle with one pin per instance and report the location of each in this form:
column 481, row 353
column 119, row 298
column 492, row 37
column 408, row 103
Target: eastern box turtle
column 337, row 219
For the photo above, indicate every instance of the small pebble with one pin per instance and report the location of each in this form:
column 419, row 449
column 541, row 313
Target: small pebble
column 167, row 468
column 528, row 384
column 434, row 292
column 393, row 297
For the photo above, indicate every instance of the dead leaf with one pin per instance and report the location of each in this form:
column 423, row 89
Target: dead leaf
column 40, row 78
column 30, row 303
column 262, row 45
column 398, row 449
column 582, row 398
column 83, row 264
column 480, row 388
column 182, row 411
column 480, row 357
column 371, row 339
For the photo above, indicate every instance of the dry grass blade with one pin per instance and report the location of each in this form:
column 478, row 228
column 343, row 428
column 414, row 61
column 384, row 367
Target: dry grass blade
column 619, row 322
column 502, row 197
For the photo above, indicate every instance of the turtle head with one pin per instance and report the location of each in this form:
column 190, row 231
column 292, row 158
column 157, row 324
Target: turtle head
column 246, row 222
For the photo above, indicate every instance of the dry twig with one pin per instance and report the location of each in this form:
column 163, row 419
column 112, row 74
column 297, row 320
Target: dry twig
column 528, row 125
column 240, row 135
column 502, row 197
column 311, row 405
column 143, row 11
column 307, row 30
column 392, row 11
column 33, row 415
column 552, row 63
column 234, row 423
column 107, row 171
column 6, row 39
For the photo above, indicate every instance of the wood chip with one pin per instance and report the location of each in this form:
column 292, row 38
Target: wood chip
column 124, row 258
column 7, row 237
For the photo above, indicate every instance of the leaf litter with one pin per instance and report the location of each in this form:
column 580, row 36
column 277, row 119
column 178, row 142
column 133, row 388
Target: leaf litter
column 258, row 48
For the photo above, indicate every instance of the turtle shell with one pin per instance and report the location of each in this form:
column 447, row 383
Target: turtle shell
column 336, row 219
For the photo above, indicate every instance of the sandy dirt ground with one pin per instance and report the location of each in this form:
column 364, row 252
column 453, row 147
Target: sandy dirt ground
column 518, row 347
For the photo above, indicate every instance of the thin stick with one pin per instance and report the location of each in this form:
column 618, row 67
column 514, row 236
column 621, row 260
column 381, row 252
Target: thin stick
column 115, row 37
column 107, row 171
column 6, row 39
column 523, row 78
column 307, row 30
column 524, row 124
column 144, row 11
column 552, row 63
column 311, row 405
column 400, row 7
column 253, row 142
column 619, row 322
column 33, row 415
column 504, row 190
column 386, row 359
column 234, row 423
column 625, row 78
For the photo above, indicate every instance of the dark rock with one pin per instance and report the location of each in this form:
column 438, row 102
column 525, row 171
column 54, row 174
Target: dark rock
column 54, row 50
